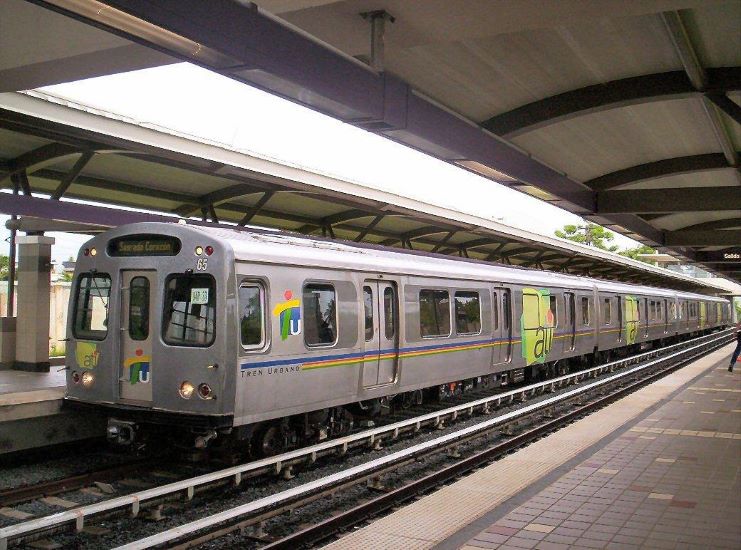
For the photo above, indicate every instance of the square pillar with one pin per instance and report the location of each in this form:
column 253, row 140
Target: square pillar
column 34, row 286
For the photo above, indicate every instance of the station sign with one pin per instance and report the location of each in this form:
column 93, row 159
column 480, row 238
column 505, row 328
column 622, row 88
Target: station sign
column 729, row 256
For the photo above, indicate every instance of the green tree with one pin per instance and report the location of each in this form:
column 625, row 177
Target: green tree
column 634, row 252
column 4, row 268
column 590, row 234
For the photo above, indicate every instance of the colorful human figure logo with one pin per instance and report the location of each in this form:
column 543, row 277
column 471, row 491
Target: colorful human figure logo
column 289, row 316
column 139, row 368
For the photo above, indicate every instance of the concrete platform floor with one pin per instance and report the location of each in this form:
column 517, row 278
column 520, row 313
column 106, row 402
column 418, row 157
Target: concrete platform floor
column 13, row 381
column 657, row 469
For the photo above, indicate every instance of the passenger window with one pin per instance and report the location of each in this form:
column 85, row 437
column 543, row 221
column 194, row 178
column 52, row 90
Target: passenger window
column 554, row 309
column 467, row 313
column 190, row 310
column 320, row 312
column 585, row 311
column 139, row 308
column 434, row 313
column 368, row 312
column 607, row 312
column 91, row 306
column 389, row 312
column 251, row 316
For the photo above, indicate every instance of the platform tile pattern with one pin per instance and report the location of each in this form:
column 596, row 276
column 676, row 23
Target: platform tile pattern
column 672, row 481
column 432, row 519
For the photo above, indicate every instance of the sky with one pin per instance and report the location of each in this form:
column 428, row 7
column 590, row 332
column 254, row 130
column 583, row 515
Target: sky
column 207, row 106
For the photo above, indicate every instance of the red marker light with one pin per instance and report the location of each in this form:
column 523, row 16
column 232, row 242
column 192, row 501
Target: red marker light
column 87, row 252
column 209, row 250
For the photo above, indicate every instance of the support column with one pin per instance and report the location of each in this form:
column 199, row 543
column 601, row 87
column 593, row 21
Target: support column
column 34, row 286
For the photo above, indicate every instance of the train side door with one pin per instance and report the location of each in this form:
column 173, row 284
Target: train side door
column 381, row 331
column 496, row 328
column 506, row 321
column 135, row 366
column 569, row 338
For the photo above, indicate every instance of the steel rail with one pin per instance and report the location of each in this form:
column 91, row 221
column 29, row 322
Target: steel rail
column 372, row 437
column 291, row 498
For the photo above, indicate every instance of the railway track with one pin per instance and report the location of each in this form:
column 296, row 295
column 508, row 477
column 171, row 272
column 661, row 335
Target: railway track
column 546, row 399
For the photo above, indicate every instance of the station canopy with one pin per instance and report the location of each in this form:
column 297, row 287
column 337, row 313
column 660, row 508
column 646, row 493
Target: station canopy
column 63, row 152
column 626, row 113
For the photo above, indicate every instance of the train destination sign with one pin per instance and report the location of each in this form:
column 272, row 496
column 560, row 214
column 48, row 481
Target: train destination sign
column 144, row 245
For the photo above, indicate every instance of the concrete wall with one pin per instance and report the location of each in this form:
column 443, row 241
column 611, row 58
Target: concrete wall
column 58, row 304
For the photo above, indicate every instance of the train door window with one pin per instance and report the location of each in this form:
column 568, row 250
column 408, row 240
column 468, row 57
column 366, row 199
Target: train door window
column 368, row 312
column 495, row 310
column 507, row 322
column 619, row 318
column 139, row 308
column 91, row 306
column 190, row 310
column 570, row 319
column 467, row 313
column 251, row 316
column 553, row 306
column 434, row 313
column 607, row 312
column 389, row 312
column 585, row 311
column 320, row 315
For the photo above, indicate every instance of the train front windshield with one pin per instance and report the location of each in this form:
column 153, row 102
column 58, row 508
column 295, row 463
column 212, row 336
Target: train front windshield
column 190, row 310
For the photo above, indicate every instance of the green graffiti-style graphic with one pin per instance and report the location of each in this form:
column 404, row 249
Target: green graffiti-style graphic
column 536, row 325
column 632, row 320
column 703, row 314
column 87, row 355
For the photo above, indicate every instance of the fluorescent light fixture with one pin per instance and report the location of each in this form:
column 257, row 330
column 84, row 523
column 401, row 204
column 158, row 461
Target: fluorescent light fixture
column 485, row 171
column 117, row 19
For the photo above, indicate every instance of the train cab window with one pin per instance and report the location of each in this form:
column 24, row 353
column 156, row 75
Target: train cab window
column 251, row 316
column 139, row 308
column 190, row 310
column 91, row 306
column 434, row 313
column 389, row 312
column 320, row 314
column 368, row 312
column 607, row 312
column 467, row 313
column 585, row 311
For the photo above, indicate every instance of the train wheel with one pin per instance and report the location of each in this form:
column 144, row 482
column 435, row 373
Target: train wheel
column 270, row 441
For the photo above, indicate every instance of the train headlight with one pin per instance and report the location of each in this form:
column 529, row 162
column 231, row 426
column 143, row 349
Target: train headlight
column 87, row 379
column 205, row 391
column 75, row 377
column 198, row 250
column 186, row 390
column 93, row 252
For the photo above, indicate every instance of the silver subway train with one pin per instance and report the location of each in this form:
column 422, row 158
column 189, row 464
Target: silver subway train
column 268, row 341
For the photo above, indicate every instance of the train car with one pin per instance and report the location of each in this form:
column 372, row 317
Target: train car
column 266, row 340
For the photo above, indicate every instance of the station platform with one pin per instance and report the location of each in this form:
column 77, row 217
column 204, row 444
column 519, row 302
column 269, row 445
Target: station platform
column 31, row 412
column 659, row 468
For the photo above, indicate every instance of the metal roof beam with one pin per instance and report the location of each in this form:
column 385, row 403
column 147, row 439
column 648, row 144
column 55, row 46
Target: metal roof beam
column 690, row 199
column 703, row 237
column 364, row 232
column 254, row 210
column 659, row 169
column 72, row 175
column 729, row 223
column 39, row 156
column 701, row 81
column 601, row 97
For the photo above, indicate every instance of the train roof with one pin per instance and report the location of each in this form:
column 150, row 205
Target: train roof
column 275, row 247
